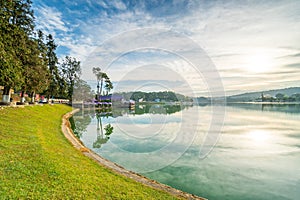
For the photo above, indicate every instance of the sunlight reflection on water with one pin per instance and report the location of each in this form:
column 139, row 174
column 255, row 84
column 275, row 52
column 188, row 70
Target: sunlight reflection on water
column 257, row 156
column 260, row 137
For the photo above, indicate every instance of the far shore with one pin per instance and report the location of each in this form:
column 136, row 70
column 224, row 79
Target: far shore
column 265, row 103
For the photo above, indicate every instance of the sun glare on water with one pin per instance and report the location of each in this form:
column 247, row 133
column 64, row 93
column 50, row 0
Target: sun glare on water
column 259, row 136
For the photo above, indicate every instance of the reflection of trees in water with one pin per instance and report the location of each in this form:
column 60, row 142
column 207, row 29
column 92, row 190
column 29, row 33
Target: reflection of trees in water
column 102, row 137
column 286, row 108
column 79, row 124
column 140, row 109
column 80, row 121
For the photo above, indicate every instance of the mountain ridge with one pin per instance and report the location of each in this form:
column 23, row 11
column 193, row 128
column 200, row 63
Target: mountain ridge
column 287, row 91
column 254, row 95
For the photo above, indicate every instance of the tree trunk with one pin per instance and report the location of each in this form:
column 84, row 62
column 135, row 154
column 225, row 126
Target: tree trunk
column 22, row 100
column 6, row 94
column 100, row 89
column 101, row 128
column 33, row 97
column 70, row 91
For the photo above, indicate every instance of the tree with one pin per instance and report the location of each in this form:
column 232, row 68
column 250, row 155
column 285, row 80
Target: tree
column 16, row 28
column 101, row 76
column 52, row 62
column 37, row 74
column 82, row 91
column 70, row 72
column 42, row 46
column 10, row 65
column 296, row 97
column 279, row 96
column 40, row 78
column 22, row 15
column 108, row 85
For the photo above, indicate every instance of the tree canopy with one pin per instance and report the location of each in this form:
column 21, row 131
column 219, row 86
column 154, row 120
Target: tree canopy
column 15, row 37
column 101, row 76
column 28, row 61
column 167, row 96
column 70, row 72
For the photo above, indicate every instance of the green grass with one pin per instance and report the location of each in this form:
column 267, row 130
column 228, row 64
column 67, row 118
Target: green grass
column 38, row 162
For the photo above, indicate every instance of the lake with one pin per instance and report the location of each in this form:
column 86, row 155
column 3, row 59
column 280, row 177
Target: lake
column 256, row 154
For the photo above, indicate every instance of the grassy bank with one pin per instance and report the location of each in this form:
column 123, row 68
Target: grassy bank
column 37, row 162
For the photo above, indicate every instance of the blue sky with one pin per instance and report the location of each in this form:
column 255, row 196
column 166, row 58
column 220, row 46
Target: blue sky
column 254, row 45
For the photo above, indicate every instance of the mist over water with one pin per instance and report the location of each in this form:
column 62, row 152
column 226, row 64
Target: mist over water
column 257, row 155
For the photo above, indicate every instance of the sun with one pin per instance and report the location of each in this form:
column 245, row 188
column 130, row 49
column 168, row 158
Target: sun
column 258, row 63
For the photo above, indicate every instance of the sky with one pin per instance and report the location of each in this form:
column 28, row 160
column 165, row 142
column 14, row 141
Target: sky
column 192, row 47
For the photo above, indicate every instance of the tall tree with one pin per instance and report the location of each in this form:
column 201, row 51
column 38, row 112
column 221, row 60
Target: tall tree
column 16, row 28
column 52, row 66
column 22, row 15
column 101, row 76
column 71, row 72
column 10, row 65
column 108, row 85
column 36, row 74
column 42, row 46
column 82, row 91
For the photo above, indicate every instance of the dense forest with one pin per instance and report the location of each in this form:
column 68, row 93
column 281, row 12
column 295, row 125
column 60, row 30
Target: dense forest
column 28, row 61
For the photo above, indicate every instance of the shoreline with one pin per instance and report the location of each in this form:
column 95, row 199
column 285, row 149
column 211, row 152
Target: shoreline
column 68, row 133
column 264, row 103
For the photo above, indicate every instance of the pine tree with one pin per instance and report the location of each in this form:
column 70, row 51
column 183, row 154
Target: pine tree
column 16, row 28
column 37, row 74
column 52, row 62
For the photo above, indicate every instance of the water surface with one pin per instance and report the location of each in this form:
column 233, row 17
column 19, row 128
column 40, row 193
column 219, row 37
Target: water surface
column 257, row 155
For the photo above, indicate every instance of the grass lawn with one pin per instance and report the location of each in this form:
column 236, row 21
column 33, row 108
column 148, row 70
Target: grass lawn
column 38, row 162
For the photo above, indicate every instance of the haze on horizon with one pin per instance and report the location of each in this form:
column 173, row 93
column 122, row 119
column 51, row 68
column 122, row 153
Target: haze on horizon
column 253, row 44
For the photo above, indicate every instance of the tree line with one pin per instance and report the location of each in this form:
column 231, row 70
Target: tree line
column 28, row 61
column 280, row 97
column 167, row 96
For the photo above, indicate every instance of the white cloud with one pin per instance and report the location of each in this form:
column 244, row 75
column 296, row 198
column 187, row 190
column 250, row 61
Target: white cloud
column 50, row 20
column 232, row 34
column 118, row 4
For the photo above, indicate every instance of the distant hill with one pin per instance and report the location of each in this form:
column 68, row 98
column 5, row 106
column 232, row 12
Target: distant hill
column 251, row 96
column 293, row 92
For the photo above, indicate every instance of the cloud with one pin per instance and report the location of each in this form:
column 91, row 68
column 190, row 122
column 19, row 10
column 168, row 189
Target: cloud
column 112, row 4
column 50, row 20
column 232, row 33
column 79, row 48
column 148, row 85
column 293, row 65
column 118, row 4
column 291, row 56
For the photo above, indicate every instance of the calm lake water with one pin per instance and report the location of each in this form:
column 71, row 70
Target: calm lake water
column 257, row 155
